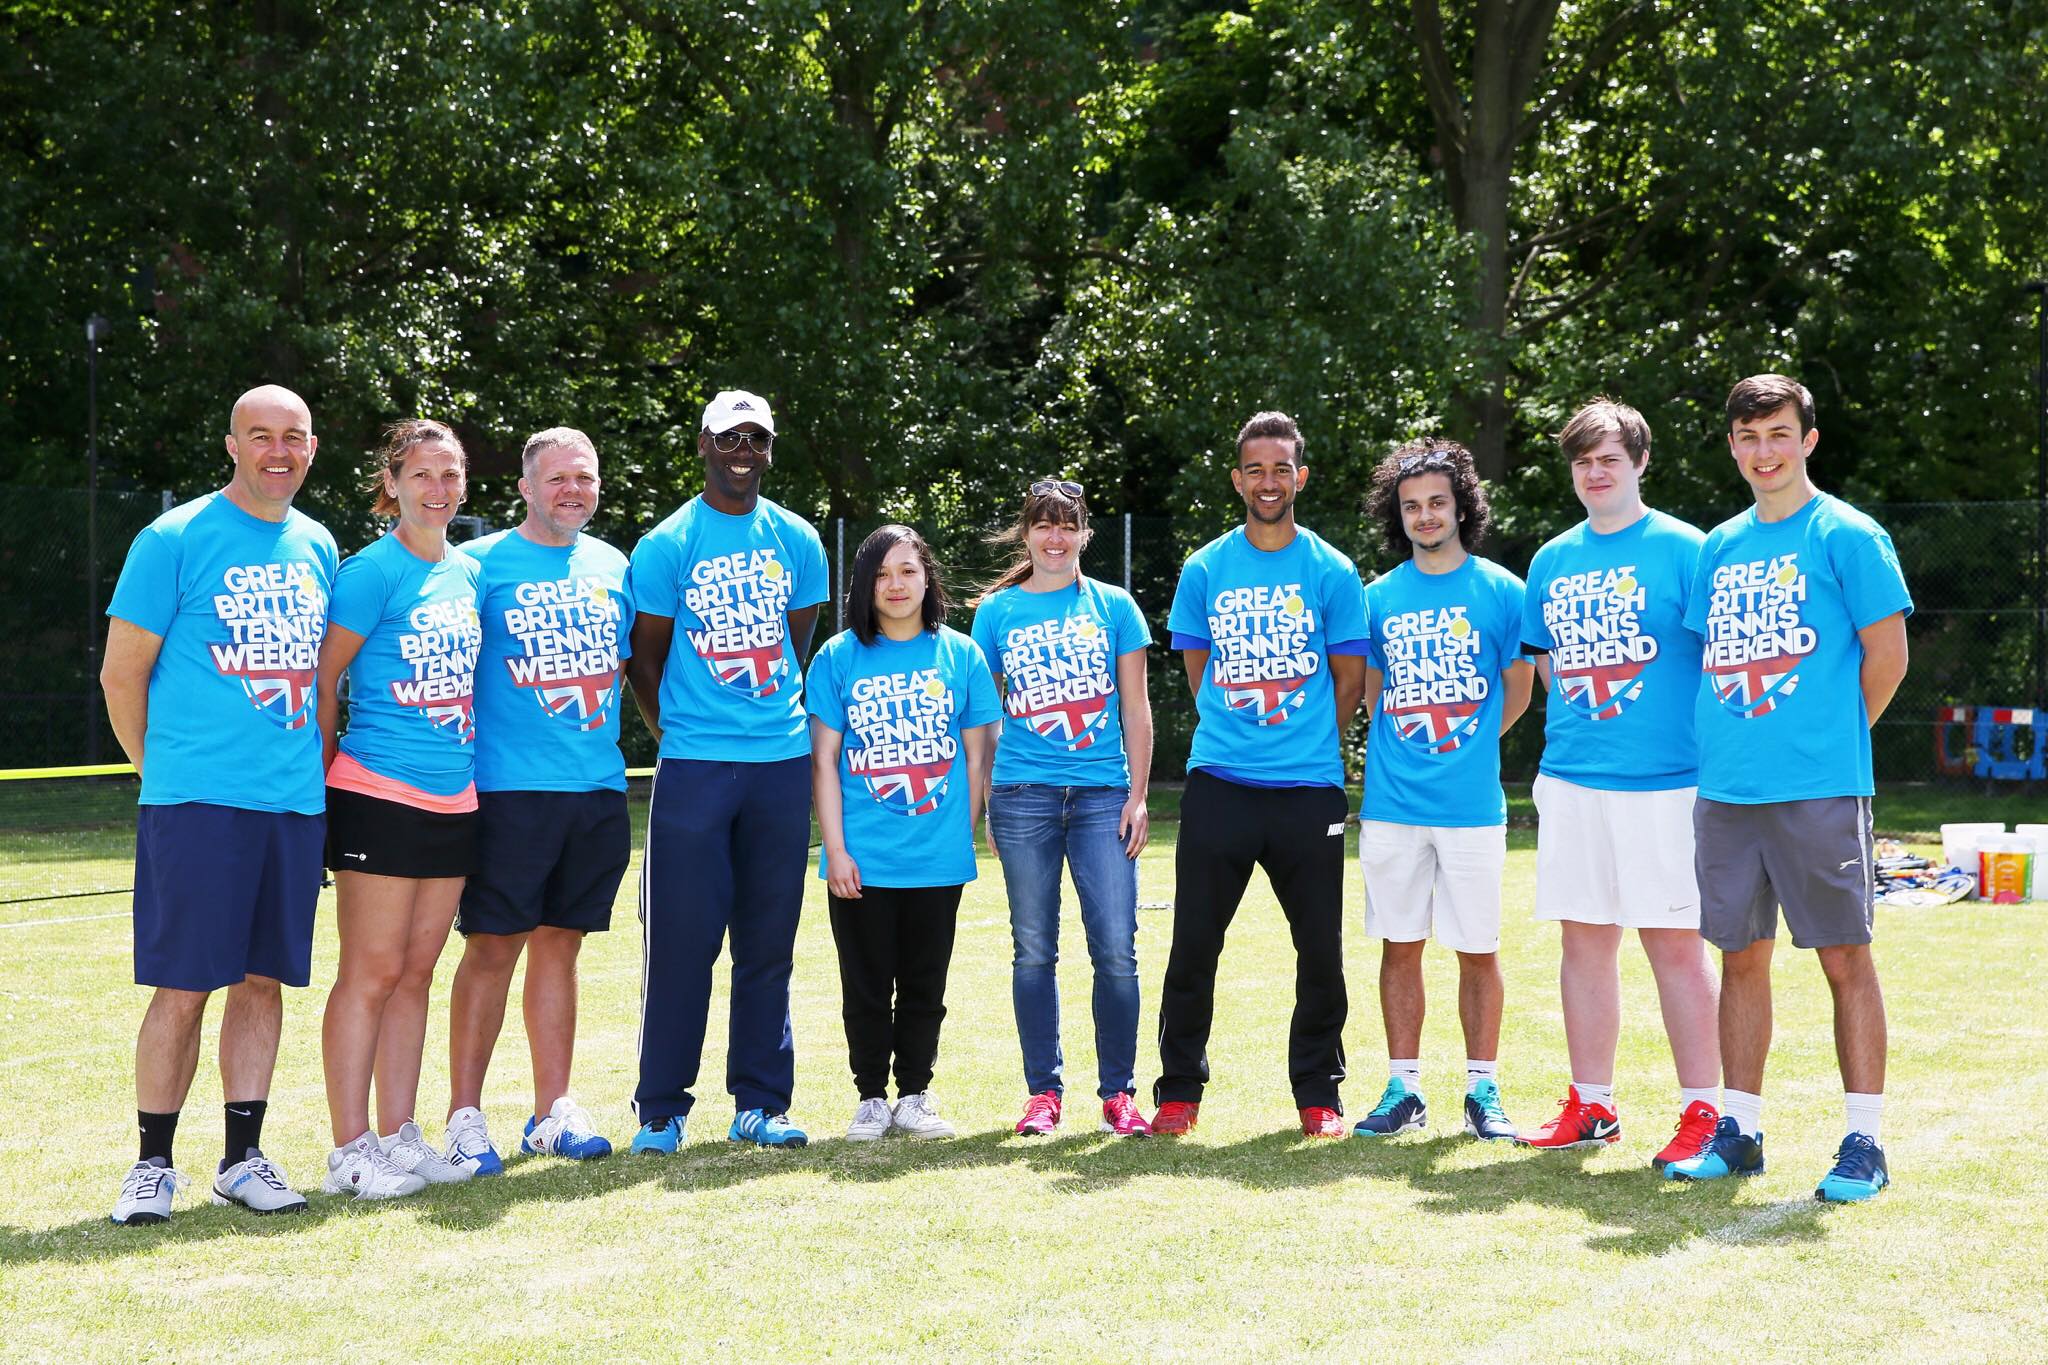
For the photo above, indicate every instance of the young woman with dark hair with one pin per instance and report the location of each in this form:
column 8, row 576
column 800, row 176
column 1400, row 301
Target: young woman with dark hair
column 401, row 804
column 902, row 716
column 1068, row 790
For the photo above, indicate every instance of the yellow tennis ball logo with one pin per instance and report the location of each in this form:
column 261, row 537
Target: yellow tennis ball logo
column 1294, row 606
column 1460, row 628
column 600, row 594
column 934, row 689
column 1087, row 629
column 1787, row 575
column 772, row 569
column 1624, row 585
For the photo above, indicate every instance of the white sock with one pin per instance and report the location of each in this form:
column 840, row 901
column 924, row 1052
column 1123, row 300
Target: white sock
column 1408, row 1071
column 1475, row 1072
column 1746, row 1109
column 1689, row 1095
column 1602, row 1095
column 1866, row 1112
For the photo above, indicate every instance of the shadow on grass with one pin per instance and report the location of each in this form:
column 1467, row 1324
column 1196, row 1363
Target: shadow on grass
column 1635, row 1212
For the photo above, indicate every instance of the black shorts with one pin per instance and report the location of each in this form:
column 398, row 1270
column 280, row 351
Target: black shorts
column 551, row 859
column 391, row 839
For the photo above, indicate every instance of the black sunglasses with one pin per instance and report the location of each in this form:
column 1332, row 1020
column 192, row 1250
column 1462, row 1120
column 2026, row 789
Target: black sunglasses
column 1066, row 488
column 726, row 442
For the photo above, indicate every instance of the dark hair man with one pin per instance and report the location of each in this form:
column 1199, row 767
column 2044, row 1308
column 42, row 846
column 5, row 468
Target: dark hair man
column 1605, row 618
column 1270, row 622
column 1445, row 679
column 1803, row 608
column 726, row 591
column 212, row 651
column 553, row 838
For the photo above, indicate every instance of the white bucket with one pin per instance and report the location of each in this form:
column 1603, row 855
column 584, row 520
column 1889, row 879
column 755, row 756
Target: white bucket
column 1959, row 844
column 2039, row 834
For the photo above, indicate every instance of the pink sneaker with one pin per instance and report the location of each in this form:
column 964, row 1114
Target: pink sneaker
column 1041, row 1114
column 1120, row 1115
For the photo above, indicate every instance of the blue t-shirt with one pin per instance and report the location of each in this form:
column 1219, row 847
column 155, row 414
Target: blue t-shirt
column 1057, row 654
column 241, row 606
column 732, row 686
column 1266, row 711
column 900, row 706
column 1780, row 702
column 411, row 687
column 1442, row 642
column 557, row 622
column 1624, row 670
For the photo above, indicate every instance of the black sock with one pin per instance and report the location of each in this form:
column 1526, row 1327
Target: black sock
column 245, row 1129
column 157, row 1132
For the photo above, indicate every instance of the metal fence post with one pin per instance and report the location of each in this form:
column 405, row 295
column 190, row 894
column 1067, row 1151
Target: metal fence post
column 839, row 575
column 1127, row 552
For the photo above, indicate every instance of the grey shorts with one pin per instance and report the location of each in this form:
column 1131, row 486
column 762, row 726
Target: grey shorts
column 1812, row 857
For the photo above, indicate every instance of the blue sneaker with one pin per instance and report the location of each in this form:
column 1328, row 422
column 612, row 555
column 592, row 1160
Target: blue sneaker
column 1859, row 1172
column 764, row 1129
column 469, row 1144
column 566, row 1131
column 1730, row 1153
column 659, row 1138
column 1400, row 1110
column 1484, row 1117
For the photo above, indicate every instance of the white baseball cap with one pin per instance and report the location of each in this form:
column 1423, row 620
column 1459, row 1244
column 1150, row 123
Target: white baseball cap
column 736, row 407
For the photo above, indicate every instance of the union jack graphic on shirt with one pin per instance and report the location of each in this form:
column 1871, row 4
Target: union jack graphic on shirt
column 285, row 696
column 1602, row 691
column 758, row 670
column 1438, row 727
column 1076, row 724
column 586, row 702
column 912, row 788
column 1754, row 689
column 455, row 717
column 1269, row 701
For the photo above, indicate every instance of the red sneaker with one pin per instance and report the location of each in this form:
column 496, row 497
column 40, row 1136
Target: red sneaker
column 1695, row 1134
column 1319, row 1122
column 1176, row 1118
column 1120, row 1116
column 1041, row 1114
column 1577, row 1124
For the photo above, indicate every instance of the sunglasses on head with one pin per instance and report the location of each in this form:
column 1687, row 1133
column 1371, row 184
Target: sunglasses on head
column 726, row 442
column 1427, row 462
column 1066, row 488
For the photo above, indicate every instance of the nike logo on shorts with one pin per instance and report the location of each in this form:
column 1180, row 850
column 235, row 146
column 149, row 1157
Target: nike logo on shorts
column 364, row 857
column 1337, row 829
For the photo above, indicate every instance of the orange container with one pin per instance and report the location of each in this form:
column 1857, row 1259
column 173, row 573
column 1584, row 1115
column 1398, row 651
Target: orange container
column 2004, row 869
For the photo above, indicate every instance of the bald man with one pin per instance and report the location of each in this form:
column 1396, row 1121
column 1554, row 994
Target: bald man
column 212, row 648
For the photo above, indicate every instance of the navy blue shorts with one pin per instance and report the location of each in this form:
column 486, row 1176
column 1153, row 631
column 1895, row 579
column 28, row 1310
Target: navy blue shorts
column 546, row 858
column 222, row 893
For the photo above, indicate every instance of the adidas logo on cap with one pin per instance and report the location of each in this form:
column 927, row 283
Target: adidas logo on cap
column 735, row 407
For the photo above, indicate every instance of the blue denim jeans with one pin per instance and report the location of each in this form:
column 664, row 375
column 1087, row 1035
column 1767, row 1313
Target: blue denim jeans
column 1039, row 829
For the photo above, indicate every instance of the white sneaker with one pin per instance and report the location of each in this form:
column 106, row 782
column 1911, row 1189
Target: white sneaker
column 566, row 1131
column 361, row 1169
column 407, row 1149
column 257, row 1185
column 146, row 1193
column 870, row 1121
column 469, row 1144
column 918, row 1116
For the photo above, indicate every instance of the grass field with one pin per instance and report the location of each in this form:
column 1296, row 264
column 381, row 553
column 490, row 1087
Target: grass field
column 1243, row 1241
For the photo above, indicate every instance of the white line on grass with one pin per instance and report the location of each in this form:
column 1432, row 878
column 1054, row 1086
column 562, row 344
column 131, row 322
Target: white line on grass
column 66, row 919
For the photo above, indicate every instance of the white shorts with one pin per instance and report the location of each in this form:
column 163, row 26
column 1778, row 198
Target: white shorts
column 1623, row 858
column 1433, row 880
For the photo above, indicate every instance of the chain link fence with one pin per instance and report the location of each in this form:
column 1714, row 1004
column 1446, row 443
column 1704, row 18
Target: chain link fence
column 1974, row 634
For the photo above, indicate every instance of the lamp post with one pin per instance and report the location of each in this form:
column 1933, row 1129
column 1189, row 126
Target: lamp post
column 2039, row 289
column 95, row 328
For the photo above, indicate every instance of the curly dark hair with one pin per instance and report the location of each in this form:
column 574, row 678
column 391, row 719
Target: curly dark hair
column 1430, row 455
